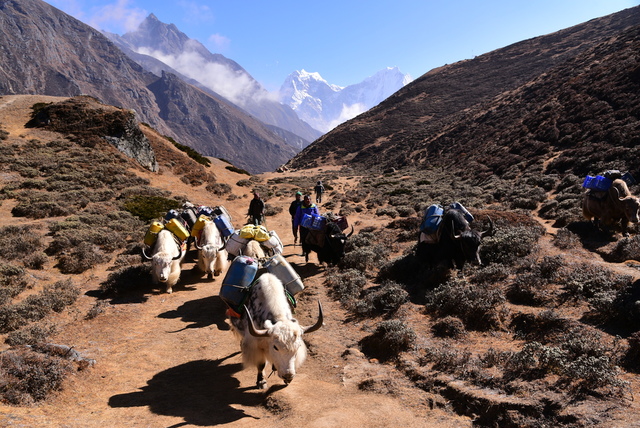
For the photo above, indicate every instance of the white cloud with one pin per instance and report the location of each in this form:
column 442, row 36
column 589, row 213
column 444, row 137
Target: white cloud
column 118, row 17
column 347, row 113
column 236, row 86
column 219, row 42
column 195, row 11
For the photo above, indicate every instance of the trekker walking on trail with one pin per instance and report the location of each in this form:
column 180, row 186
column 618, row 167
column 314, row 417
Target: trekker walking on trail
column 256, row 210
column 319, row 189
column 305, row 208
column 293, row 208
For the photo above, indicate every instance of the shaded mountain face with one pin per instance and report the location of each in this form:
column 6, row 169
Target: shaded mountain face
column 166, row 44
column 489, row 114
column 48, row 52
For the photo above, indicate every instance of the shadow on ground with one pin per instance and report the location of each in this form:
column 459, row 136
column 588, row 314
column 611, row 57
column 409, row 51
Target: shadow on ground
column 201, row 392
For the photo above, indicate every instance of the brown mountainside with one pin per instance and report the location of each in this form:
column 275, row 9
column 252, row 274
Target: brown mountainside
column 444, row 115
column 50, row 53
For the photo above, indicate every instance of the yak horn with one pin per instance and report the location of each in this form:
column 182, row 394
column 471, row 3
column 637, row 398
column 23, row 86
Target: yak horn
column 318, row 323
column 453, row 231
column 350, row 233
column 145, row 255
column 179, row 253
column 252, row 328
column 488, row 232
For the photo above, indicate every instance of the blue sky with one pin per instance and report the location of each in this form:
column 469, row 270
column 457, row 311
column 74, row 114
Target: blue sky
column 349, row 40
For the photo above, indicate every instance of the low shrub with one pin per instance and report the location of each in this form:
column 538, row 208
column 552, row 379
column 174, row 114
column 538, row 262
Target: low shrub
column 451, row 327
column 29, row 377
column 35, row 307
column 31, row 334
column 81, row 258
column 13, row 281
column 129, row 278
column 389, row 339
column 346, row 285
column 385, row 299
column 480, row 307
column 148, row 208
column 510, row 244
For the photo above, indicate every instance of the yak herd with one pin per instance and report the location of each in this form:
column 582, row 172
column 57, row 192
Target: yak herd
column 264, row 323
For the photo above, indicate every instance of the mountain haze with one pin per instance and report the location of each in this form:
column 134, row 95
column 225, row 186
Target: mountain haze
column 166, row 44
column 459, row 112
column 324, row 105
column 47, row 52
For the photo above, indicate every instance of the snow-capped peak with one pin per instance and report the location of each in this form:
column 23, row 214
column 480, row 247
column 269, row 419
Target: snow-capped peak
column 324, row 105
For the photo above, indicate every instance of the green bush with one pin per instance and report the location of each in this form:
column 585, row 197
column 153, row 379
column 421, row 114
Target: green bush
column 148, row 208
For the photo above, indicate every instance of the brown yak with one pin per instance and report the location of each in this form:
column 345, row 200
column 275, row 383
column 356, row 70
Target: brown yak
column 613, row 206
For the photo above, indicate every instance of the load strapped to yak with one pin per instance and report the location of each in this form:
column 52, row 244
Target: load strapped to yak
column 430, row 226
column 317, row 226
column 268, row 239
column 188, row 223
column 598, row 186
column 243, row 273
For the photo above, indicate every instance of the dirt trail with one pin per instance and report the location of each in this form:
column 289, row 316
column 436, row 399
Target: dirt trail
column 171, row 361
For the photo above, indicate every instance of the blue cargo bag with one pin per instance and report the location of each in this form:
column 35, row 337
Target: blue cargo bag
column 313, row 222
column 597, row 183
column 432, row 219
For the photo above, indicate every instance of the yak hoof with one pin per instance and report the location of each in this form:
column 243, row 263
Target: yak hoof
column 169, row 290
column 217, row 272
column 261, row 384
column 209, row 276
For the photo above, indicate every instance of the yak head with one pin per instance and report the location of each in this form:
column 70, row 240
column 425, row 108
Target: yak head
column 469, row 241
column 630, row 205
column 335, row 243
column 166, row 251
column 286, row 348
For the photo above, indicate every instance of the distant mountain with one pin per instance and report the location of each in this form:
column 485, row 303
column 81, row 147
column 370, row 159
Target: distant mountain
column 324, row 106
column 162, row 47
column 47, row 52
column 567, row 102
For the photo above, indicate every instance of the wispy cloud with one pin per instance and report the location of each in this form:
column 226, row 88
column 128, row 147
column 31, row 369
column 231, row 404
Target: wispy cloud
column 219, row 43
column 236, row 86
column 348, row 112
column 194, row 11
column 117, row 17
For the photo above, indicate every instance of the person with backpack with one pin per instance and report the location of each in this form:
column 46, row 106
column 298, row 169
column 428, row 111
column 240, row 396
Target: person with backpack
column 256, row 210
column 319, row 189
column 293, row 208
column 305, row 208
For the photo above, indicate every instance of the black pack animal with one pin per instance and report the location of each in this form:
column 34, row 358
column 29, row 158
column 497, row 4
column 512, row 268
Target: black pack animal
column 458, row 242
column 332, row 249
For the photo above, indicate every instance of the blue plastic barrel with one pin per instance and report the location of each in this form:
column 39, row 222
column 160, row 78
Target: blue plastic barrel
column 224, row 225
column 235, row 285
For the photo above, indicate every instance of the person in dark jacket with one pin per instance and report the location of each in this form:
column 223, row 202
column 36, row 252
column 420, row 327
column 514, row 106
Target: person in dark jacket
column 319, row 189
column 305, row 208
column 293, row 208
column 256, row 210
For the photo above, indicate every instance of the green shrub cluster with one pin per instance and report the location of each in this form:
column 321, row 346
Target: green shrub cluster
column 148, row 208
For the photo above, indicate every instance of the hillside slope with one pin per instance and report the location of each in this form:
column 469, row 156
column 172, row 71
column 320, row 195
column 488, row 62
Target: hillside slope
column 451, row 109
column 543, row 334
column 50, row 53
